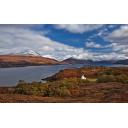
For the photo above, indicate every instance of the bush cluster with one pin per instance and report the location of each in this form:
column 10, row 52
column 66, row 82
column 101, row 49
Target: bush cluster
column 56, row 88
column 34, row 88
column 113, row 78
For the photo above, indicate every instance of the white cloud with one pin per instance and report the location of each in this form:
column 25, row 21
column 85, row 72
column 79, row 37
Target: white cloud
column 119, row 35
column 78, row 28
column 119, row 41
column 93, row 45
column 17, row 39
column 110, row 56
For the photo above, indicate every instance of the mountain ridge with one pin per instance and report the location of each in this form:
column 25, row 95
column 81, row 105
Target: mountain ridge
column 125, row 62
column 72, row 60
column 23, row 60
column 20, row 60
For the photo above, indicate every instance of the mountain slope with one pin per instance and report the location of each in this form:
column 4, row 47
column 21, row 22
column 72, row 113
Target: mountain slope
column 75, row 61
column 84, row 61
column 124, row 62
column 24, row 60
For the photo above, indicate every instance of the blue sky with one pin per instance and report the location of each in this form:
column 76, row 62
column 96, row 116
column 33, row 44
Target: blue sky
column 61, row 41
column 77, row 39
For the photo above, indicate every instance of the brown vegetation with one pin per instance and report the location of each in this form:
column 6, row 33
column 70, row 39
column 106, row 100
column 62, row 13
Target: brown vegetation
column 103, row 85
column 22, row 60
column 87, row 93
column 89, row 72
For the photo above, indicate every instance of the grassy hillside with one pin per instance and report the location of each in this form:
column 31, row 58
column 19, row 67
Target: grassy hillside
column 20, row 60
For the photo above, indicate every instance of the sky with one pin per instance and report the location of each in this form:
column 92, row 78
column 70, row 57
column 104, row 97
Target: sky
column 61, row 41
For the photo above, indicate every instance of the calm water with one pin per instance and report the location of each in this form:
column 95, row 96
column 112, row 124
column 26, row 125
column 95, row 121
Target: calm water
column 10, row 76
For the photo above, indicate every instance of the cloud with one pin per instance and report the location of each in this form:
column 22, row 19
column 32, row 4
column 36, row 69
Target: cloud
column 14, row 39
column 78, row 28
column 93, row 45
column 110, row 56
column 119, row 41
column 119, row 35
column 18, row 38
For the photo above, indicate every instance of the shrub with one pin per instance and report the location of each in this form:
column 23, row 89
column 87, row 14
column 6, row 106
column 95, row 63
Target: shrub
column 108, row 72
column 22, row 89
column 122, row 78
column 106, row 78
column 70, row 83
column 111, row 78
column 63, row 91
column 56, row 88
column 32, row 88
column 59, row 91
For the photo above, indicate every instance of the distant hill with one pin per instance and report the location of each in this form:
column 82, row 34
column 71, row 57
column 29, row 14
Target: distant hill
column 30, row 58
column 84, row 61
column 124, row 62
column 76, row 61
column 105, row 62
column 24, row 60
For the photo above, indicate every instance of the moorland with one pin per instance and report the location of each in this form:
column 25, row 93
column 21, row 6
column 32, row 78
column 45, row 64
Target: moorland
column 102, row 85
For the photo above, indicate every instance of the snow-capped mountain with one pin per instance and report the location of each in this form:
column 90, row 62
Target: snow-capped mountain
column 28, row 52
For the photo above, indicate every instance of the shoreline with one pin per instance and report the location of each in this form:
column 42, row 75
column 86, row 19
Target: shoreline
column 84, row 65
